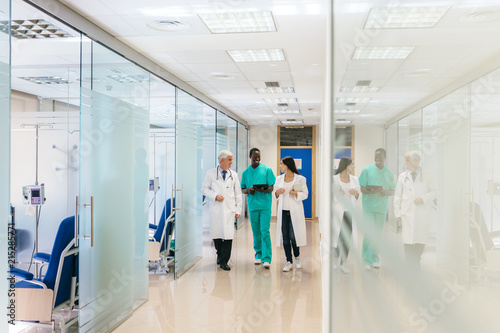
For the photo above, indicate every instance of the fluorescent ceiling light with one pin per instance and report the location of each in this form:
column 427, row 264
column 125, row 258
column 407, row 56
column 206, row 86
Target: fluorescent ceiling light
column 257, row 55
column 33, row 29
column 404, row 17
column 359, row 89
column 286, row 111
column 222, row 23
column 347, row 111
column 129, row 78
column 353, row 99
column 280, row 100
column 382, row 52
column 276, row 90
column 343, row 122
column 292, row 122
column 45, row 79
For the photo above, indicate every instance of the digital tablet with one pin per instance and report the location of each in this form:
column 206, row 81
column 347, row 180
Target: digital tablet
column 261, row 186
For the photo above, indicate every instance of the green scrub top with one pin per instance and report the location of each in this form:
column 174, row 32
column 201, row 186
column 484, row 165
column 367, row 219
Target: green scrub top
column 260, row 175
column 372, row 175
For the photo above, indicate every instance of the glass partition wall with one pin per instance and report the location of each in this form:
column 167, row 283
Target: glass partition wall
column 93, row 128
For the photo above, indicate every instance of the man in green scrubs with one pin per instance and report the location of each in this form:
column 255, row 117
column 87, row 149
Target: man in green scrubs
column 259, row 205
column 377, row 184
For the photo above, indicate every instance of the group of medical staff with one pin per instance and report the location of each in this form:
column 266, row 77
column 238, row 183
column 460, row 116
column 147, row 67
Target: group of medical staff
column 414, row 195
column 223, row 189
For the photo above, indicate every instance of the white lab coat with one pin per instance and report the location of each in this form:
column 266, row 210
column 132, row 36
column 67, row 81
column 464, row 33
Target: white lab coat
column 415, row 219
column 222, row 213
column 296, row 209
column 339, row 209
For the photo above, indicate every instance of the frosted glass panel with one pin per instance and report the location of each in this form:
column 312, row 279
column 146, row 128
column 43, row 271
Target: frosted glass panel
column 5, row 159
column 114, row 172
column 242, row 164
column 226, row 133
column 189, row 177
column 409, row 137
column 209, row 153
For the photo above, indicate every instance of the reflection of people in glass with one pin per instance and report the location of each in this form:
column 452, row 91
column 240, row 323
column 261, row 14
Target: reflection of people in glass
column 377, row 183
column 222, row 189
column 348, row 186
column 413, row 199
column 257, row 181
column 291, row 190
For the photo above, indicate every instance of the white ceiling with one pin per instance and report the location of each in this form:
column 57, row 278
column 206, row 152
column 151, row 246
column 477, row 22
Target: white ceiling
column 460, row 42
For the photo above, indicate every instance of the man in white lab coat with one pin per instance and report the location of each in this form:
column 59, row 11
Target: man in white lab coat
column 413, row 200
column 222, row 189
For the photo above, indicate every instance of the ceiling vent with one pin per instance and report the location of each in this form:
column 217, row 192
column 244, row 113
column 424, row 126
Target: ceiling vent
column 363, row 83
column 283, row 105
column 168, row 25
column 350, row 104
column 272, row 84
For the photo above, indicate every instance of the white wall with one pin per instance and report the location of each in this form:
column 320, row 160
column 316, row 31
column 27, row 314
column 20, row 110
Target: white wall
column 366, row 140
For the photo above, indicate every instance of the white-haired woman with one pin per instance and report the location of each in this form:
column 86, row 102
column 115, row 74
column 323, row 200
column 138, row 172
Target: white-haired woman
column 222, row 189
column 413, row 200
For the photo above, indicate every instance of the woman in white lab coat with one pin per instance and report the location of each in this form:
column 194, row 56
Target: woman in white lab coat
column 222, row 189
column 343, row 227
column 413, row 201
column 290, row 189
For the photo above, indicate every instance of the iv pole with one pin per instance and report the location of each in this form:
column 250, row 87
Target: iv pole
column 37, row 127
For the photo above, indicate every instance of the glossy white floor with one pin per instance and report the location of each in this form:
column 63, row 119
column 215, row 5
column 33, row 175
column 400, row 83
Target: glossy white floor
column 246, row 299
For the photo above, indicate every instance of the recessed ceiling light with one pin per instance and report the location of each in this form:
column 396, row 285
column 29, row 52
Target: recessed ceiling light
column 46, row 79
column 221, row 77
column 418, row 72
column 279, row 90
column 167, row 25
column 257, row 55
column 382, row 52
column 221, row 23
column 347, row 111
column 359, row 89
column 404, row 17
column 353, row 99
column 343, row 122
column 292, row 122
column 280, row 100
column 129, row 78
column 286, row 111
column 33, row 29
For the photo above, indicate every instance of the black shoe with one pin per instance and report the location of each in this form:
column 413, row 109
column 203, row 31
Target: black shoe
column 218, row 261
column 225, row 267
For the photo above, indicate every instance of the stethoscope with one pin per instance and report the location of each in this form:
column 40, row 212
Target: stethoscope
column 230, row 173
column 408, row 175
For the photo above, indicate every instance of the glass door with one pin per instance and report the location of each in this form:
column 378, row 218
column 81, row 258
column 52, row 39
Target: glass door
column 114, row 172
column 188, row 179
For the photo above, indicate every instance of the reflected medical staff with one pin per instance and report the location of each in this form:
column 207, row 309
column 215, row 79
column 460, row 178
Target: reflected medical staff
column 413, row 200
column 259, row 200
column 222, row 188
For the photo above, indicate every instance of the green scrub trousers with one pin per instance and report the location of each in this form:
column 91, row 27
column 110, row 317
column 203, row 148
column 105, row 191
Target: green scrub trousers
column 261, row 222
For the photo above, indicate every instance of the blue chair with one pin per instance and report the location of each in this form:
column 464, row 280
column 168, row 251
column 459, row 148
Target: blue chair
column 59, row 281
column 159, row 243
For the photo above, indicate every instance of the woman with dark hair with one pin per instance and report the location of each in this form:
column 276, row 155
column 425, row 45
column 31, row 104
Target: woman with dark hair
column 348, row 186
column 290, row 191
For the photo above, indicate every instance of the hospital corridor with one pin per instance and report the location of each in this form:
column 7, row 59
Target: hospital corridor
column 240, row 166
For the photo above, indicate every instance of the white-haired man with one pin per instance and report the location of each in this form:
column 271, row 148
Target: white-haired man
column 413, row 199
column 222, row 189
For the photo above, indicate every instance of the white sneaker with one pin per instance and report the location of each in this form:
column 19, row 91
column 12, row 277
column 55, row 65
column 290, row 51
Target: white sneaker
column 345, row 269
column 287, row 267
column 267, row 265
column 376, row 265
column 257, row 262
column 367, row 267
column 298, row 265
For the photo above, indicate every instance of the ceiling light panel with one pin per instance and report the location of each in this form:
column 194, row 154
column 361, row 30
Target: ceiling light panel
column 33, row 29
column 238, row 22
column 46, row 79
column 257, row 55
column 343, row 122
column 129, row 78
column 353, row 99
column 280, row 90
column 292, row 122
column 280, row 100
column 347, row 111
column 404, row 17
column 359, row 89
column 279, row 112
column 382, row 52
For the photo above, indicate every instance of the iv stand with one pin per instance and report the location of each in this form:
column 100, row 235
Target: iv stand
column 37, row 127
